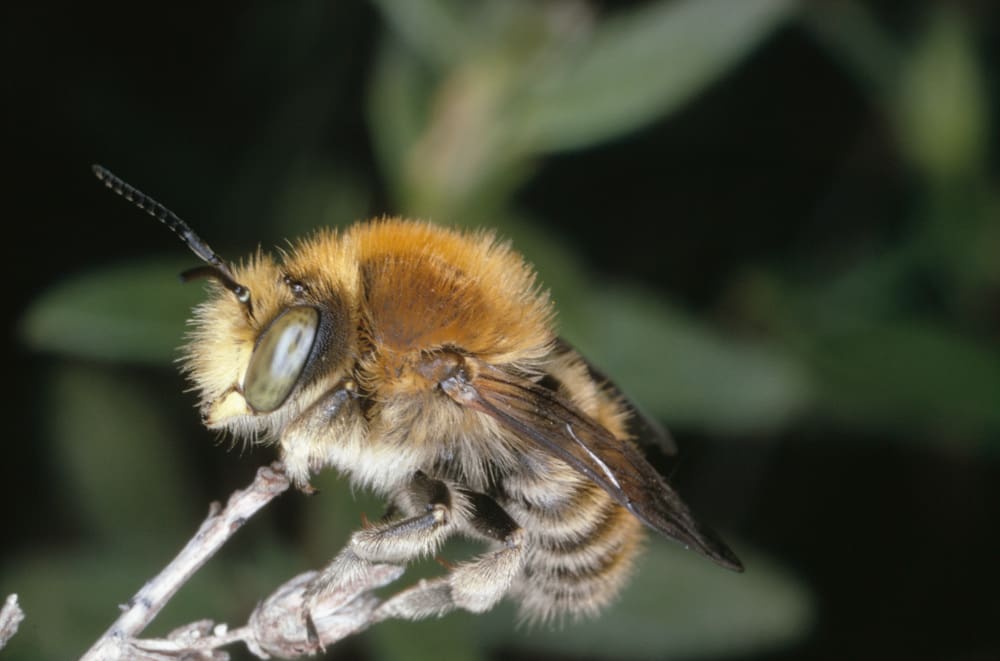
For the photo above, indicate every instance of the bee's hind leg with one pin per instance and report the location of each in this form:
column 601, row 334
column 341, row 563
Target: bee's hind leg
column 476, row 585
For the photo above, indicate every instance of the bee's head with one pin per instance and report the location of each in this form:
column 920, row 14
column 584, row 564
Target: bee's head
column 271, row 337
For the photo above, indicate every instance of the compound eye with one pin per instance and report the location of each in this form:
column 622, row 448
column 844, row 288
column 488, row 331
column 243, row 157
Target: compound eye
column 280, row 357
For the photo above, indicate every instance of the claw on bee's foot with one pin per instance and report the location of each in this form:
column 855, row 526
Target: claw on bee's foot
column 366, row 524
column 340, row 600
column 312, row 635
column 308, row 489
column 447, row 564
column 310, row 613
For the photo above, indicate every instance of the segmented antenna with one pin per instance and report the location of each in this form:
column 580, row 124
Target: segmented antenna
column 217, row 268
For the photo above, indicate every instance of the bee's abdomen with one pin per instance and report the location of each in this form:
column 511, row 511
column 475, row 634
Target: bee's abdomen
column 579, row 551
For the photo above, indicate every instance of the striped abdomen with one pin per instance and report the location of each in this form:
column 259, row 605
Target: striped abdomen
column 579, row 545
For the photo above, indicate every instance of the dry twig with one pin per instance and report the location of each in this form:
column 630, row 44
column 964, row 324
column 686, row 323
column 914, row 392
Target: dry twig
column 279, row 626
column 11, row 616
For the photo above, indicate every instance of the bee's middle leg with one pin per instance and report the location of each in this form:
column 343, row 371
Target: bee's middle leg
column 476, row 585
column 393, row 540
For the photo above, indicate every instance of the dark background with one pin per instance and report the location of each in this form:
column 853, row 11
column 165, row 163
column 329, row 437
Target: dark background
column 792, row 206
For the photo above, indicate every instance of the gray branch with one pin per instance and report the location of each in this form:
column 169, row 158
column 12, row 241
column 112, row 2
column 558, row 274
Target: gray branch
column 11, row 616
column 280, row 625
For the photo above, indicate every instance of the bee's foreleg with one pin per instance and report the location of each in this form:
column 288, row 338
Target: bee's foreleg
column 476, row 585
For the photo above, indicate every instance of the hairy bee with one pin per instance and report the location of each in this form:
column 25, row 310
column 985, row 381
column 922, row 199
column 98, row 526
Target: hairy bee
column 422, row 363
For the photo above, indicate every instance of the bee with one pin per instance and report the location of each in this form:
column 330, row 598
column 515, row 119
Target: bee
column 422, row 363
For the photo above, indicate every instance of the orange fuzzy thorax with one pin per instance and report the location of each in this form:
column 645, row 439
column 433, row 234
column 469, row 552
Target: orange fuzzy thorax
column 402, row 287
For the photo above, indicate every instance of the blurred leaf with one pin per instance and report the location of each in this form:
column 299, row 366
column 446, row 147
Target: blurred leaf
column 910, row 375
column 451, row 638
column 71, row 598
column 315, row 199
column 131, row 313
column 956, row 243
column 983, row 254
column 685, row 372
column 870, row 288
column 639, row 66
column 936, row 94
column 852, row 35
column 118, row 457
column 942, row 109
column 458, row 142
column 433, row 28
column 397, row 108
column 679, row 605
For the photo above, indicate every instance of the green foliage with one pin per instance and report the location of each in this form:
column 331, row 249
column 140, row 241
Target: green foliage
column 924, row 379
column 689, row 373
column 75, row 593
column 880, row 363
column 682, row 607
column 129, row 313
column 464, row 102
column 110, row 436
column 598, row 86
column 942, row 115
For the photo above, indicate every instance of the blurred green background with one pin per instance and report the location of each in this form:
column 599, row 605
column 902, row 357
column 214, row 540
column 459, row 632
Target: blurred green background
column 775, row 223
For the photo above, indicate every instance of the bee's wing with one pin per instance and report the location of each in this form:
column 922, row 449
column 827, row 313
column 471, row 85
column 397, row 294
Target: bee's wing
column 539, row 415
column 642, row 427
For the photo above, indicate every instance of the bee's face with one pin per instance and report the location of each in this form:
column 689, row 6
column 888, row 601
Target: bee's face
column 257, row 366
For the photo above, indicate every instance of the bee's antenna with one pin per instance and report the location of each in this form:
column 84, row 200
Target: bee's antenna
column 217, row 268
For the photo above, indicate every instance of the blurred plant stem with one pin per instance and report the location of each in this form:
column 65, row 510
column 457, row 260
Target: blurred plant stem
column 463, row 104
